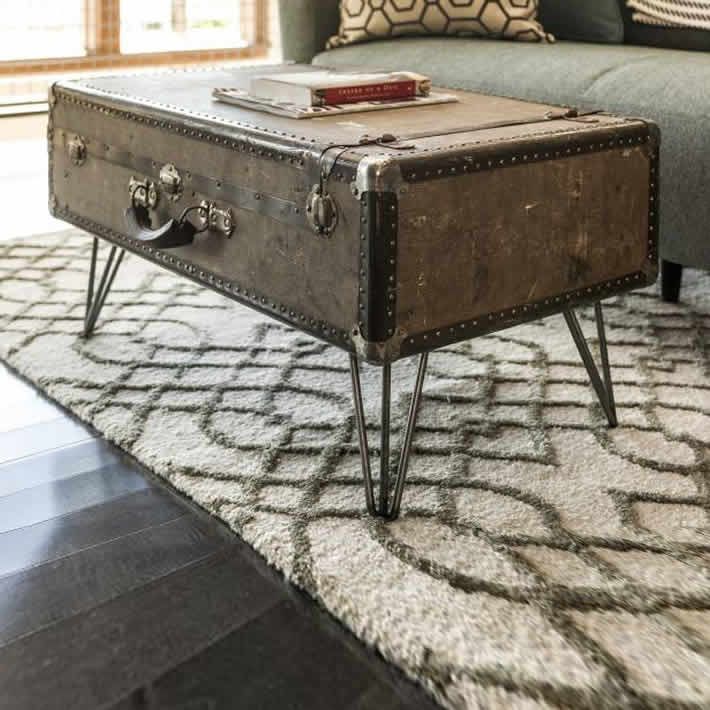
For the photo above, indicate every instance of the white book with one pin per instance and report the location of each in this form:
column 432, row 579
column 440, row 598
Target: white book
column 332, row 88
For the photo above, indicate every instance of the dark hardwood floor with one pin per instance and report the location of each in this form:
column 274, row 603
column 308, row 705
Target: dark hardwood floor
column 117, row 593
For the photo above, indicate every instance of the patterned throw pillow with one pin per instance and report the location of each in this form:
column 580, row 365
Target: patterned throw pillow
column 672, row 13
column 363, row 20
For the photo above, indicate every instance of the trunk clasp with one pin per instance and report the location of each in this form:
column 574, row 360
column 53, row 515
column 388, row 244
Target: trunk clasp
column 321, row 211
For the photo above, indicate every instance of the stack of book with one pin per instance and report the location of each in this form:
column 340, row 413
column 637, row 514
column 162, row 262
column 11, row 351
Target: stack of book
column 308, row 94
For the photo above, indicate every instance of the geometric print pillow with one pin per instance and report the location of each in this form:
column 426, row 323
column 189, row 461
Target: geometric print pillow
column 363, row 20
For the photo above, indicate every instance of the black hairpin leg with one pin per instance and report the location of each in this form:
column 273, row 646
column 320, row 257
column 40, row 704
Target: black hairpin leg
column 95, row 300
column 603, row 387
column 386, row 506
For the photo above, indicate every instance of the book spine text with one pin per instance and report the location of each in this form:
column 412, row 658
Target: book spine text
column 369, row 92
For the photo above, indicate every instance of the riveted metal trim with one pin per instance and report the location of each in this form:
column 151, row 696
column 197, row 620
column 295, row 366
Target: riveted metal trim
column 492, row 322
column 52, row 202
column 252, row 144
column 247, row 296
column 377, row 297
column 84, row 86
column 539, row 148
column 654, row 204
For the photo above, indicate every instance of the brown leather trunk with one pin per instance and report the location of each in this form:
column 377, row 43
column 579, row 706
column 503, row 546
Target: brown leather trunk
column 480, row 215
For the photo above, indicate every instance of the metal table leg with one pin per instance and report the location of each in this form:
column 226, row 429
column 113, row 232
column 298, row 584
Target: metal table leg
column 602, row 384
column 95, row 301
column 389, row 500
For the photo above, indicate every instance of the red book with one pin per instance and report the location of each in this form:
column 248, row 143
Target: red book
column 369, row 92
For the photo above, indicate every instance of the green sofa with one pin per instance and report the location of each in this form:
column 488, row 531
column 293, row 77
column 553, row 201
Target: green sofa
column 670, row 86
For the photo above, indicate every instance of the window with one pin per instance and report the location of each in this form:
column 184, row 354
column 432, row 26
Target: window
column 37, row 29
column 174, row 25
column 68, row 35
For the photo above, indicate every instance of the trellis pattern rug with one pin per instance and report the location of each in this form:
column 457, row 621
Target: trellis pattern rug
column 542, row 560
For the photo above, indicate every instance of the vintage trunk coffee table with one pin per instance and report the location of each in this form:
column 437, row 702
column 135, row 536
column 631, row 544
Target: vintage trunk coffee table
column 387, row 234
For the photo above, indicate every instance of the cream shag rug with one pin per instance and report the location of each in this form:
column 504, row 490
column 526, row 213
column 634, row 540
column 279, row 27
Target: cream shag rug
column 541, row 561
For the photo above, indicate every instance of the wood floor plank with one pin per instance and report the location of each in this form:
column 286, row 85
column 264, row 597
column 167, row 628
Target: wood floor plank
column 96, row 658
column 13, row 389
column 69, row 534
column 385, row 697
column 282, row 658
column 50, row 500
column 37, row 438
column 113, row 590
column 55, row 465
column 28, row 411
column 41, row 596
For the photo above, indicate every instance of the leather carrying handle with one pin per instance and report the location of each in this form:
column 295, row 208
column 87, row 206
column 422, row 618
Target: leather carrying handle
column 173, row 233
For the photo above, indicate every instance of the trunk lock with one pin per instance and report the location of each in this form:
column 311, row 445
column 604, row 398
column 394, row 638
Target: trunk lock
column 321, row 211
column 170, row 181
column 144, row 193
column 215, row 218
column 76, row 148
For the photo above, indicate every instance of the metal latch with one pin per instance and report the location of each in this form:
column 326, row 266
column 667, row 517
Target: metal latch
column 144, row 193
column 321, row 211
column 216, row 218
column 76, row 147
column 170, row 180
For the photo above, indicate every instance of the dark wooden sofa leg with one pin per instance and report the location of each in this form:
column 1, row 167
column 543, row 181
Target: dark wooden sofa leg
column 671, row 277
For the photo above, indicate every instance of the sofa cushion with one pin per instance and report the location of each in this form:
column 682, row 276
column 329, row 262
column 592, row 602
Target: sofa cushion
column 364, row 20
column 583, row 20
column 667, row 86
